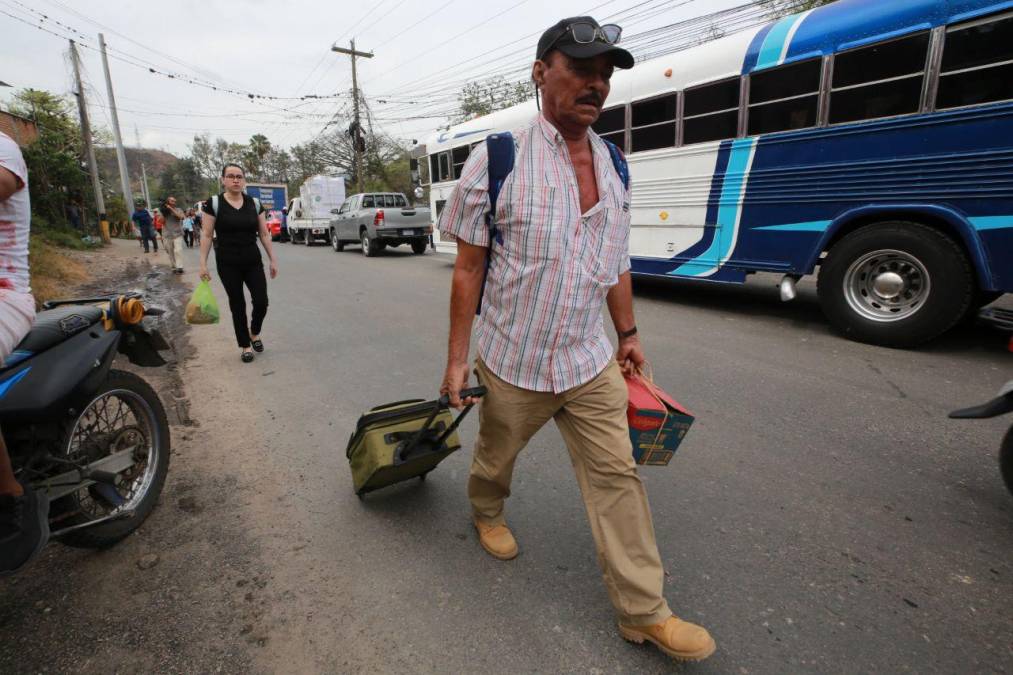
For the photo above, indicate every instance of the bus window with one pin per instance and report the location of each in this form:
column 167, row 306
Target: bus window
column 881, row 80
column 977, row 64
column 654, row 123
column 445, row 173
column 424, row 172
column 434, row 168
column 611, row 126
column 711, row 112
column 784, row 98
column 460, row 156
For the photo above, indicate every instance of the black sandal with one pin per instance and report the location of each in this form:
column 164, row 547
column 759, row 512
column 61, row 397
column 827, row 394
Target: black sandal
column 258, row 345
column 247, row 357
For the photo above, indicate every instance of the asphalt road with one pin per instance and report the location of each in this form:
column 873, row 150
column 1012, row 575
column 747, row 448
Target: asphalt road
column 823, row 515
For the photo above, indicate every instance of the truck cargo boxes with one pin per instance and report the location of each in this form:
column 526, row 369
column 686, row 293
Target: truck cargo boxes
column 321, row 194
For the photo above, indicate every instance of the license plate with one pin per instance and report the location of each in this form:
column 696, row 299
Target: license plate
column 407, row 233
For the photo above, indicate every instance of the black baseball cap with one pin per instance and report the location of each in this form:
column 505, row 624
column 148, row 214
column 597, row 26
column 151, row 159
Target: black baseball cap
column 561, row 37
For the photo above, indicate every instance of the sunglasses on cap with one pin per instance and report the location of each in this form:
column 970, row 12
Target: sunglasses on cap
column 582, row 33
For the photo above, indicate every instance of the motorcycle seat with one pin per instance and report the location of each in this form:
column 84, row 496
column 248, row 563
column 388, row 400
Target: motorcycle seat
column 53, row 326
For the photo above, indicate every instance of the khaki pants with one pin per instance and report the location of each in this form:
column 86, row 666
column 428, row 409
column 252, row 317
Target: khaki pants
column 174, row 247
column 592, row 420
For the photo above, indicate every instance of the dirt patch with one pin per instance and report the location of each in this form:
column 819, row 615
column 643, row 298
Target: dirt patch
column 185, row 593
column 54, row 270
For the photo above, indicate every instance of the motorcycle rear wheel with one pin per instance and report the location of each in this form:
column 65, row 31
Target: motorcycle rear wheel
column 125, row 412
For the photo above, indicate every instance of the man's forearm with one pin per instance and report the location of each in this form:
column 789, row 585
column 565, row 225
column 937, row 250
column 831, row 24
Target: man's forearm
column 620, row 304
column 464, row 293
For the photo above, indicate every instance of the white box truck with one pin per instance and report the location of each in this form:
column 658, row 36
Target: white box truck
column 310, row 213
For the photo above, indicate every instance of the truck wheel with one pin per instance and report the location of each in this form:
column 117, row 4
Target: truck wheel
column 419, row 246
column 896, row 284
column 338, row 246
column 369, row 247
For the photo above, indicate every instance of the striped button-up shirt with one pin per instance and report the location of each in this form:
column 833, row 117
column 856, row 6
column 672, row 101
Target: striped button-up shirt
column 541, row 324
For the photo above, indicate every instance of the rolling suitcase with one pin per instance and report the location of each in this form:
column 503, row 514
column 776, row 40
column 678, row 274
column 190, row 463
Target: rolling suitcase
column 403, row 440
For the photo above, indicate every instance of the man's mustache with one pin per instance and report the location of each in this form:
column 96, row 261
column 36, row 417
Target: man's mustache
column 592, row 99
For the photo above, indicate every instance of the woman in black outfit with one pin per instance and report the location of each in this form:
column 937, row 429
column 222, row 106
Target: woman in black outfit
column 238, row 224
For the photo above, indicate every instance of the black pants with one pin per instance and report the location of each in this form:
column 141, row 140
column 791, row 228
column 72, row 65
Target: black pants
column 233, row 277
column 188, row 238
column 148, row 234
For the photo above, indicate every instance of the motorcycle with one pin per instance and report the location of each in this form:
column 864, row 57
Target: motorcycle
column 1000, row 405
column 93, row 439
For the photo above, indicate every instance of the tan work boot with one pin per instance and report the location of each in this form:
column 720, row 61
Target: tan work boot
column 497, row 540
column 682, row 640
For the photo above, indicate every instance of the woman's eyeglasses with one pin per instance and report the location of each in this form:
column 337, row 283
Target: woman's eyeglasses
column 235, row 176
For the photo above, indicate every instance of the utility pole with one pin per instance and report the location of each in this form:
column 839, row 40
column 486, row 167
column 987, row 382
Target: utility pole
column 96, row 184
column 121, row 156
column 355, row 106
column 144, row 174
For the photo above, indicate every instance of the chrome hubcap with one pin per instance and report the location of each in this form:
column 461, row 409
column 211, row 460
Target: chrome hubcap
column 365, row 243
column 886, row 285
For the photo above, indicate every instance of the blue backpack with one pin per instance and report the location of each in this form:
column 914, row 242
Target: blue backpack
column 501, row 163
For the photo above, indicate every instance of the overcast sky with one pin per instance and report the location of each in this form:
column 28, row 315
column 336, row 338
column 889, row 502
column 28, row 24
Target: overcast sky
column 423, row 52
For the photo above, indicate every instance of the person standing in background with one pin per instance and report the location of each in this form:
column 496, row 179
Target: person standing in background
column 188, row 229
column 172, row 233
column 142, row 219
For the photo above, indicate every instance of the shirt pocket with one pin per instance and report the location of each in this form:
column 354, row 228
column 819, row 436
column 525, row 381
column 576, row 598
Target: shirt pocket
column 607, row 245
column 535, row 223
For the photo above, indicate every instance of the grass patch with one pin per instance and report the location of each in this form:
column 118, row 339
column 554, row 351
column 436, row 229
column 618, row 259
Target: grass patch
column 53, row 273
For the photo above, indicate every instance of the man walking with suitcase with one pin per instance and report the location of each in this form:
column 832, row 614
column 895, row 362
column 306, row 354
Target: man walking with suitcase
column 557, row 248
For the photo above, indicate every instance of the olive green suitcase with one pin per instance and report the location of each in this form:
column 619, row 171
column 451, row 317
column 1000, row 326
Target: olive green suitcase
column 399, row 441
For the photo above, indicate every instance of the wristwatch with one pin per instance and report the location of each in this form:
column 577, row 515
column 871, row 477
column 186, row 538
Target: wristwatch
column 627, row 333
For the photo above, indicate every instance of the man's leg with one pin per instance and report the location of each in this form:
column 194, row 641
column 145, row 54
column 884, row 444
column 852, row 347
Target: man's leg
column 170, row 250
column 508, row 417
column 177, row 243
column 593, row 423
column 24, row 514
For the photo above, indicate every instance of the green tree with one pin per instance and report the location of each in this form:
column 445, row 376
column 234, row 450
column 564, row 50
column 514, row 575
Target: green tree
column 779, row 8
column 482, row 97
column 254, row 154
column 54, row 160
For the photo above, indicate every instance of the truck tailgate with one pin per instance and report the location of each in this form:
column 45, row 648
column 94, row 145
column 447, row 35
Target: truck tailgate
column 405, row 218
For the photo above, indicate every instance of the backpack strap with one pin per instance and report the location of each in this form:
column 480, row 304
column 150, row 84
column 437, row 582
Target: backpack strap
column 619, row 162
column 214, row 205
column 501, row 163
column 256, row 203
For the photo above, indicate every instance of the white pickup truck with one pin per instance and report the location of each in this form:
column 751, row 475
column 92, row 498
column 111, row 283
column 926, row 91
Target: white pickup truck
column 304, row 229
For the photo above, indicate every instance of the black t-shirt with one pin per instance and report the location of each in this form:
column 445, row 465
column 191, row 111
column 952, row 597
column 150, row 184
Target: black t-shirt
column 237, row 230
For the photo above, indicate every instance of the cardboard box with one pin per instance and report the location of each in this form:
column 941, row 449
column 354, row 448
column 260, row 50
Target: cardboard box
column 657, row 422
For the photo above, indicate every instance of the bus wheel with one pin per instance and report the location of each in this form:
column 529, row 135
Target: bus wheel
column 896, row 284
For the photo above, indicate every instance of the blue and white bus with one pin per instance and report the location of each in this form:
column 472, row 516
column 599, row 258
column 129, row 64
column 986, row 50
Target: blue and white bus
column 871, row 139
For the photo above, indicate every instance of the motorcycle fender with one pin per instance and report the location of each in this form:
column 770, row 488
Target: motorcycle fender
column 142, row 348
column 46, row 386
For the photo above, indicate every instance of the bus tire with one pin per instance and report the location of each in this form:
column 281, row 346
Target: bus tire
column 896, row 284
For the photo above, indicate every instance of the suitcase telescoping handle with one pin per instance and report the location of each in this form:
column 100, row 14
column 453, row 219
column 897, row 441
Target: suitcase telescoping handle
column 474, row 392
column 442, row 404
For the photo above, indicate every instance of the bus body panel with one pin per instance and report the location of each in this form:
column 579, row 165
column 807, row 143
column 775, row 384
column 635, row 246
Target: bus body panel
column 718, row 211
